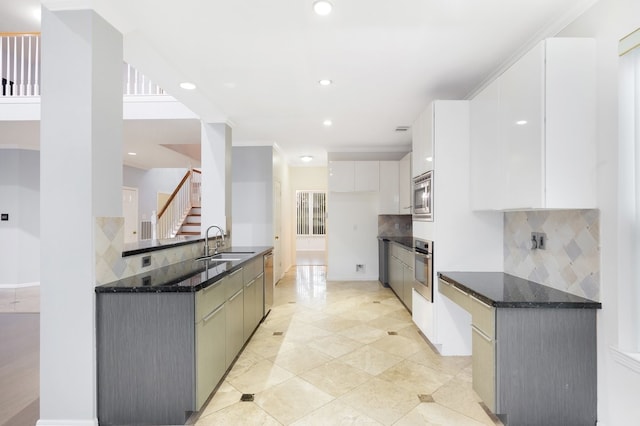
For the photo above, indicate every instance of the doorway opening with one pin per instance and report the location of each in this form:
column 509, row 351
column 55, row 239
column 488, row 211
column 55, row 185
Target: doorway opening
column 311, row 218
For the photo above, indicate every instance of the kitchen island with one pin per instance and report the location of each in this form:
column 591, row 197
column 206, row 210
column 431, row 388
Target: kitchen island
column 533, row 347
column 165, row 338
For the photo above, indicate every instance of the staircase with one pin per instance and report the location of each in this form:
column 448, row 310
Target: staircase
column 192, row 223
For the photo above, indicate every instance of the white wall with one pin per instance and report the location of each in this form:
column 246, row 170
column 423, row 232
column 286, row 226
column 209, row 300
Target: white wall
column 252, row 200
column 149, row 183
column 20, row 235
column 352, row 231
column 618, row 386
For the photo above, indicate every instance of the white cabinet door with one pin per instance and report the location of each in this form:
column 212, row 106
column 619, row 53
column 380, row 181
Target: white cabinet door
column 389, row 199
column 486, row 153
column 423, row 160
column 367, row 176
column 406, row 184
column 542, row 154
column 341, row 176
column 521, row 126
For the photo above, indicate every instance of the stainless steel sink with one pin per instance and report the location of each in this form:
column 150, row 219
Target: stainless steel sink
column 226, row 256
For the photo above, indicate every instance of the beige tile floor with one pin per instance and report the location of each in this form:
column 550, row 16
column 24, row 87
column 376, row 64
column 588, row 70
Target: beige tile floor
column 336, row 363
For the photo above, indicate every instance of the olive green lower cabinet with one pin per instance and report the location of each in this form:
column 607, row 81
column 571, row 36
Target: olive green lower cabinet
column 161, row 354
column 401, row 274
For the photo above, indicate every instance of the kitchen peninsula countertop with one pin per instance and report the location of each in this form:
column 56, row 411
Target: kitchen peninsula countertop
column 508, row 291
column 186, row 276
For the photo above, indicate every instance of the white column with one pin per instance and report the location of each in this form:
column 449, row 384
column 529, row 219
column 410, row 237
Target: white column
column 81, row 178
column 216, row 175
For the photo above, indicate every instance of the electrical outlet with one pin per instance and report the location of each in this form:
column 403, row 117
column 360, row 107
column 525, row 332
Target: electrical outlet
column 538, row 241
column 146, row 261
column 360, row 267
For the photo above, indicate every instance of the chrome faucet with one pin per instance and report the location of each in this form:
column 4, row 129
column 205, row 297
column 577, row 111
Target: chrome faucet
column 206, row 240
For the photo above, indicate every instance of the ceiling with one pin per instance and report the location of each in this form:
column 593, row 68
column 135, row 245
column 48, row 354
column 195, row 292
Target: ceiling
column 256, row 64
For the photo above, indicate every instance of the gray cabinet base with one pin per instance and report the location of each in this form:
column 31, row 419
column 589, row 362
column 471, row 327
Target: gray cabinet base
column 145, row 345
column 546, row 366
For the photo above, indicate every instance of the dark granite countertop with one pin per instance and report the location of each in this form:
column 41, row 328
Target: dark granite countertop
column 407, row 242
column 187, row 276
column 508, row 291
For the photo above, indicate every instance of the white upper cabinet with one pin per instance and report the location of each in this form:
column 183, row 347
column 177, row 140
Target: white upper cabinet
column 341, row 176
column 533, row 131
column 389, row 199
column 422, row 132
column 367, row 175
column 353, row 176
column 406, row 184
column 487, row 180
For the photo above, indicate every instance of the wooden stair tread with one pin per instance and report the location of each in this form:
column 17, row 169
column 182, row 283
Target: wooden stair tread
column 188, row 233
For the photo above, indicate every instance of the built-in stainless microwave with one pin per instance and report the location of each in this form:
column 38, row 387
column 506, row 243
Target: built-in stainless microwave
column 423, row 197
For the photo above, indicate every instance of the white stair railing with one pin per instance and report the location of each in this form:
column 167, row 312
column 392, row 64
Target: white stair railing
column 20, row 64
column 20, row 69
column 174, row 212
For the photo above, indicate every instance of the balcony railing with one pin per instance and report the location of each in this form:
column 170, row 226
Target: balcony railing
column 20, row 69
column 20, row 64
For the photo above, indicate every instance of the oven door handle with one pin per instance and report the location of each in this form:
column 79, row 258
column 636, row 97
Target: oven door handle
column 425, row 255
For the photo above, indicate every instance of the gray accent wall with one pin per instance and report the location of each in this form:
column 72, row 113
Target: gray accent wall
column 20, row 198
column 252, row 200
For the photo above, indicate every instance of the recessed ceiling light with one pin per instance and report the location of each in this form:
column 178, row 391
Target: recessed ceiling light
column 327, row 123
column 521, row 122
column 322, row 7
column 325, row 82
column 429, row 158
column 187, row 86
column 132, row 153
column 306, row 158
column 37, row 14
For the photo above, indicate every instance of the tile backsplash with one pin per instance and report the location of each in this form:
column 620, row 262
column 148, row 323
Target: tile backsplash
column 395, row 225
column 571, row 260
column 109, row 245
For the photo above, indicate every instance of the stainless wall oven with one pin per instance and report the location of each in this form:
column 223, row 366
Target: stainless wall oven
column 423, row 197
column 423, row 268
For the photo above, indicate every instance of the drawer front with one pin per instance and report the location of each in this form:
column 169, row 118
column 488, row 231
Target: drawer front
column 403, row 255
column 483, row 364
column 210, row 298
column 252, row 270
column 233, row 283
column 456, row 295
column 483, row 316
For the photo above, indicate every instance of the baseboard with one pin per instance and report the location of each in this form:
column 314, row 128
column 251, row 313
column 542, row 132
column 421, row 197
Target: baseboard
column 87, row 422
column 21, row 285
column 358, row 277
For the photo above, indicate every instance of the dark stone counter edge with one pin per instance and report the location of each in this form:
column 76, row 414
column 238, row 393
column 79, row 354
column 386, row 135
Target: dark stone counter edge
column 147, row 246
column 400, row 241
column 170, row 287
column 552, row 305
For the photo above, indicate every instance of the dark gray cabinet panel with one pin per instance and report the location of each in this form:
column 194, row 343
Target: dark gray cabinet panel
column 145, row 358
column 546, row 366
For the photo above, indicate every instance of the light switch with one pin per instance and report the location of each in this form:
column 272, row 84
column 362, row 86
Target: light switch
column 4, row 216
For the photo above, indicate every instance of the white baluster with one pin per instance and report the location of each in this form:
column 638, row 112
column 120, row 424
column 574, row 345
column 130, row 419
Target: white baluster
column 135, row 81
column 15, row 66
column 29, row 91
column 36, row 86
column 128, row 79
column 21, row 86
column 1, row 52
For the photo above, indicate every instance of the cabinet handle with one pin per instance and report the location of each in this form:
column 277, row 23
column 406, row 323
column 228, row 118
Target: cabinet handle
column 234, row 272
column 481, row 302
column 481, row 334
column 236, row 295
column 460, row 291
column 252, row 282
column 212, row 314
column 209, row 287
